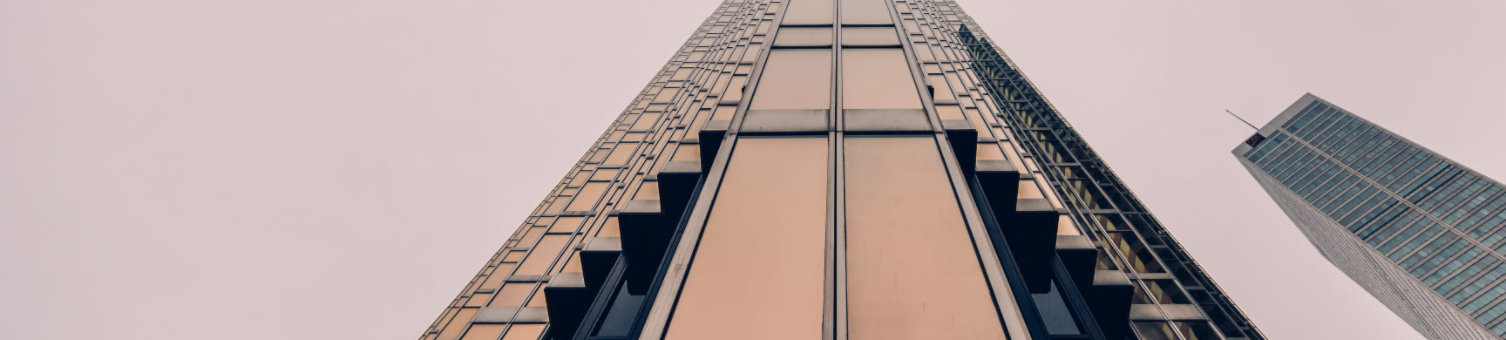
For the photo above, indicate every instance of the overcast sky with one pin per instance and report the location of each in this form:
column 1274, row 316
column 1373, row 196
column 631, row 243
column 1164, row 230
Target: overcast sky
column 338, row 169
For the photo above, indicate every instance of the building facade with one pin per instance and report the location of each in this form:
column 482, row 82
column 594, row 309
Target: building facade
column 1421, row 233
column 840, row 169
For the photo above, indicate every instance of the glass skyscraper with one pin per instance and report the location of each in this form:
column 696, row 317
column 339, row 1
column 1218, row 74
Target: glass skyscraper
column 840, row 169
column 1421, row 233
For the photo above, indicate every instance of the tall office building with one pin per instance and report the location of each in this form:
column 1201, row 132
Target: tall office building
column 850, row 169
column 1423, row 234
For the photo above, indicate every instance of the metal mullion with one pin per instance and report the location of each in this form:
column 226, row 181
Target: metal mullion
column 1006, row 303
column 671, row 279
column 834, row 324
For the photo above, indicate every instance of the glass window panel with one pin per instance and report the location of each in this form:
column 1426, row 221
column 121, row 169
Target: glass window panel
column 1154, row 330
column 905, row 230
column 877, row 78
column 770, row 265
column 1054, row 312
column 795, row 79
column 1196, row 330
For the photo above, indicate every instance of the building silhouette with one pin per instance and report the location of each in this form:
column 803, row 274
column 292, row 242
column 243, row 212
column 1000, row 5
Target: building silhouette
column 1421, row 233
column 840, row 169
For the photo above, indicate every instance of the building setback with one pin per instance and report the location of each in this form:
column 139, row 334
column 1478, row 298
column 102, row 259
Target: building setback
column 1421, row 233
column 848, row 169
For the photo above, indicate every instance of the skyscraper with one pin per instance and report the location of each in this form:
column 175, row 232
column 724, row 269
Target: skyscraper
column 840, row 169
column 1421, row 233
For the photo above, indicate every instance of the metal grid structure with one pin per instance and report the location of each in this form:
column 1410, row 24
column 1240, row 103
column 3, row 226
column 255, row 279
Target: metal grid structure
column 1095, row 197
column 1421, row 233
column 874, row 167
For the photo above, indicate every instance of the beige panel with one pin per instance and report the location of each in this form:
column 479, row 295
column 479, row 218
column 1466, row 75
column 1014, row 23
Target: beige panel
column 795, row 79
column 620, row 154
column 524, row 332
column 946, row 112
column 514, row 256
column 803, row 36
column 542, row 255
column 566, row 225
column 808, row 12
column 1065, row 226
column 865, row 12
column 648, row 191
column 723, row 113
column 588, row 196
column 532, row 234
column 687, row 153
column 497, row 277
column 512, row 295
column 877, row 78
column 1028, row 190
column 989, row 152
column 646, row 121
column 605, row 174
column 869, row 36
column 478, row 300
column 609, row 229
column 452, row 330
column 484, row 332
column 911, row 269
column 759, row 271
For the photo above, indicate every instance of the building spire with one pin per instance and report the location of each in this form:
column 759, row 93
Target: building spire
column 1242, row 120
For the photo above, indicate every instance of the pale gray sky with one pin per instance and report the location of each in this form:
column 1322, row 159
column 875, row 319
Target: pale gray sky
column 337, row 169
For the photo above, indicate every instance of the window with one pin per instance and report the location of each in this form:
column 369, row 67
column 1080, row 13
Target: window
column 877, row 78
column 905, row 230
column 795, row 79
column 763, row 249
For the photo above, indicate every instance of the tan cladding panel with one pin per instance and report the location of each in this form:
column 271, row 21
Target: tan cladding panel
column 877, row 78
column 808, row 12
column 911, row 269
column 588, row 196
column 524, row 332
column 759, row 271
column 543, row 255
column 795, row 79
column 865, row 12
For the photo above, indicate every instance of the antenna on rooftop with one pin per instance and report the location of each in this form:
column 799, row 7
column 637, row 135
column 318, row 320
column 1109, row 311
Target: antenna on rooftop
column 1241, row 119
